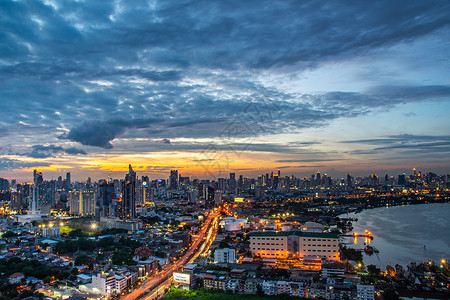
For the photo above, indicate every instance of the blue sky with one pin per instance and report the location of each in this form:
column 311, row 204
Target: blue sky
column 212, row 87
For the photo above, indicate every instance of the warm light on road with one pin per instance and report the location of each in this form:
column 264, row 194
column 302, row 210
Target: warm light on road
column 155, row 287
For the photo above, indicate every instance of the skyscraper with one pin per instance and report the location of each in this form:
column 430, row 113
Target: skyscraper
column 232, row 182
column 173, row 179
column 68, row 180
column 37, row 177
column 106, row 195
column 127, row 210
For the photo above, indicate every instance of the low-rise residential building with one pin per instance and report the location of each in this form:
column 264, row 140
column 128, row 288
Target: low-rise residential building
column 365, row 292
column 16, row 278
column 225, row 255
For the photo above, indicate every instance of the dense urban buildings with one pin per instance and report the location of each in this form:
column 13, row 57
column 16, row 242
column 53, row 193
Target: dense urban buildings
column 251, row 227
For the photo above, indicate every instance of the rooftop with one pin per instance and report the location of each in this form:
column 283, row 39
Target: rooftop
column 294, row 232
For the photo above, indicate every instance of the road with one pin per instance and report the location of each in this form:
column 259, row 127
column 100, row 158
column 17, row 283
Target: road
column 155, row 286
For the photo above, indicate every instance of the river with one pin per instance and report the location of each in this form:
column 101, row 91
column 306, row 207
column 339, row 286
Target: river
column 400, row 233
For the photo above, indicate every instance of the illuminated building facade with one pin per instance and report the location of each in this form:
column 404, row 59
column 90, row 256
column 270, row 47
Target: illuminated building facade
column 291, row 244
column 127, row 207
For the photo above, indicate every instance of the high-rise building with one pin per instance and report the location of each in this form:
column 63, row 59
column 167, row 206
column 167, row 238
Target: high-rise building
column 232, row 182
column 217, row 198
column 209, row 196
column 88, row 199
column 402, row 179
column 68, row 180
column 75, row 202
column 106, row 194
column 4, row 184
column 173, row 179
column 192, row 196
column 37, row 177
column 349, row 180
column 127, row 210
column 34, row 203
column 82, row 203
column 275, row 181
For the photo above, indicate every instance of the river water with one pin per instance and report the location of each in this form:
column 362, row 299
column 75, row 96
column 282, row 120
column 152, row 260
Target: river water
column 400, row 233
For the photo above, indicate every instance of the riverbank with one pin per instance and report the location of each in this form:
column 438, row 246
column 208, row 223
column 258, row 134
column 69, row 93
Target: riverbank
column 403, row 233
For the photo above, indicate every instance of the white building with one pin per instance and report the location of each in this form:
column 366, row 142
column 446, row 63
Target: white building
column 51, row 232
column 365, row 292
column 233, row 224
column 104, row 283
column 225, row 255
column 291, row 244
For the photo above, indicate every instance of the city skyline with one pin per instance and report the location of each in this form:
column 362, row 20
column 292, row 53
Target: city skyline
column 212, row 88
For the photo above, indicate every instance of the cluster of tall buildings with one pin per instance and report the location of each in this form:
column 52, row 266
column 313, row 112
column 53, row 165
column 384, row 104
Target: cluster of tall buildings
column 119, row 198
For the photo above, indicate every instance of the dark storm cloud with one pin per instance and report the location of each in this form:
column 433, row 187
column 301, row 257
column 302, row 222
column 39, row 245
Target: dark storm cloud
column 99, row 134
column 103, row 70
column 42, row 151
column 401, row 139
column 405, row 144
column 9, row 164
column 268, row 112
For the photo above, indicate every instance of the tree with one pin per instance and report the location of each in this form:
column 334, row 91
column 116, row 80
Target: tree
column 83, row 260
column 373, row 270
column 76, row 233
column 122, row 257
column 44, row 246
column 142, row 252
column 390, row 294
column 9, row 234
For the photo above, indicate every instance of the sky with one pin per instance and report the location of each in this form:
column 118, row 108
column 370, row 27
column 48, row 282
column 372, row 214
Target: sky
column 213, row 87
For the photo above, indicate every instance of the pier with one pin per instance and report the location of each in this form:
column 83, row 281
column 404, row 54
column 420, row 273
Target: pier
column 366, row 234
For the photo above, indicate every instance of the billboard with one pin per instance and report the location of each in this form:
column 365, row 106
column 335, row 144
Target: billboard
column 184, row 278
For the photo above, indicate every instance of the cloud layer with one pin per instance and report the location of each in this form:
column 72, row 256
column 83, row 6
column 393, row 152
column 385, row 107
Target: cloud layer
column 81, row 78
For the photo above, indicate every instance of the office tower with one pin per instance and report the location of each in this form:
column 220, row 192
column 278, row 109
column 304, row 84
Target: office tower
column 34, row 205
column 127, row 209
column 279, row 173
column 349, row 180
column 221, row 184
column 232, row 182
column 4, row 184
column 209, row 197
column 192, row 196
column 184, row 181
column 148, row 195
column 68, row 180
column 37, row 177
column 275, row 181
column 106, row 194
column 173, row 179
column 217, row 198
column 402, row 179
